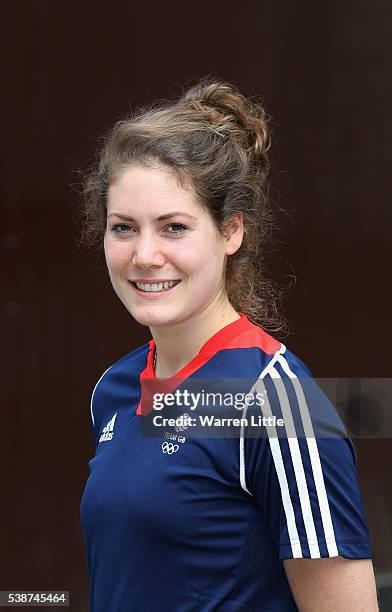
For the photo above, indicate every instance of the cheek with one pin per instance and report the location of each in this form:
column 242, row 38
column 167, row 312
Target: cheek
column 116, row 255
column 206, row 267
column 202, row 255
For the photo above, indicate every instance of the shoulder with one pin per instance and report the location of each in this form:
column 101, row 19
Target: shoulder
column 120, row 377
column 299, row 399
column 251, row 348
column 266, row 357
column 287, row 363
column 135, row 359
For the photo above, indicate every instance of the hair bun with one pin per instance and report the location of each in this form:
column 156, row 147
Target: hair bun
column 228, row 110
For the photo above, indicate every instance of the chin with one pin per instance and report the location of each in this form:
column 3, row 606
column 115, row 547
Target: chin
column 151, row 318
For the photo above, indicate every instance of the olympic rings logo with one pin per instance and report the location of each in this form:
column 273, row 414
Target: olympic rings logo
column 169, row 448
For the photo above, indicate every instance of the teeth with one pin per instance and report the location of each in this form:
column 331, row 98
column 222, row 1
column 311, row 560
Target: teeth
column 156, row 286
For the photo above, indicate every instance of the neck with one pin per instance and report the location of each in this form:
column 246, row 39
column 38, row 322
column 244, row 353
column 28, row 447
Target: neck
column 177, row 344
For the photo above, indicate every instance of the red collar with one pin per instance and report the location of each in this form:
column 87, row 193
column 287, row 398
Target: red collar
column 241, row 333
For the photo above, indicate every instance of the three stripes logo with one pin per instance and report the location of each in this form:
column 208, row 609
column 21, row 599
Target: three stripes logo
column 107, row 432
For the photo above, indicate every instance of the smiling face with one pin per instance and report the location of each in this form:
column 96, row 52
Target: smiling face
column 158, row 232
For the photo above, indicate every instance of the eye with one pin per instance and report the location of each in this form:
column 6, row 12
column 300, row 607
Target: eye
column 116, row 228
column 180, row 228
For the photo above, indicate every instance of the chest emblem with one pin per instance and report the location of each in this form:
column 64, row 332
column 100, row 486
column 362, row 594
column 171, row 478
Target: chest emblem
column 169, row 448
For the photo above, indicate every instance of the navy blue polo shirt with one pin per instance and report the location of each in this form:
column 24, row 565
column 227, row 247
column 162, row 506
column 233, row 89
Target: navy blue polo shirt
column 189, row 523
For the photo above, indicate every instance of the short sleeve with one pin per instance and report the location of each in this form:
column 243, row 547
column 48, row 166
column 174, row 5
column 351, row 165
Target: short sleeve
column 303, row 474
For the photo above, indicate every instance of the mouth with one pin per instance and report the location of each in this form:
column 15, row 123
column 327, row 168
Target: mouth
column 154, row 288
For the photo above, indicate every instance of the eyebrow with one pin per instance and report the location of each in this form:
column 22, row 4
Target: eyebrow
column 161, row 218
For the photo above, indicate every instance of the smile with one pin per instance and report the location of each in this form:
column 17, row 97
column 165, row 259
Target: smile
column 155, row 287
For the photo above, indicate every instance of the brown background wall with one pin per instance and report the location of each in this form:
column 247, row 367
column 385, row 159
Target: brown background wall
column 68, row 71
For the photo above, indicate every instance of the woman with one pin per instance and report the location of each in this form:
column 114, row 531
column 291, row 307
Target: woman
column 186, row 522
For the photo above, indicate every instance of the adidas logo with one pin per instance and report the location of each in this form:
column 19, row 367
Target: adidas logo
column 107, row 432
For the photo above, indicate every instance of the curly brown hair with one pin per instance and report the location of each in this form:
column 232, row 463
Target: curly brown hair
column 215, row 140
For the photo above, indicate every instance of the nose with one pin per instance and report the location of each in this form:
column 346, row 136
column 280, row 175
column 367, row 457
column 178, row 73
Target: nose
column 147, row 251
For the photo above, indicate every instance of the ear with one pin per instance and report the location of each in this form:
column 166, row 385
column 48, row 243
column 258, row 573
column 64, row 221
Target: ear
column 233, row 233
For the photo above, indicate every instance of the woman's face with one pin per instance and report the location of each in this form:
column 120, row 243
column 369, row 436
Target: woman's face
column 158, row 232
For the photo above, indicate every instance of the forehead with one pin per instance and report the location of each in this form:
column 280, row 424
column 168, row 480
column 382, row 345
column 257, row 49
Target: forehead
column 156, row 189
